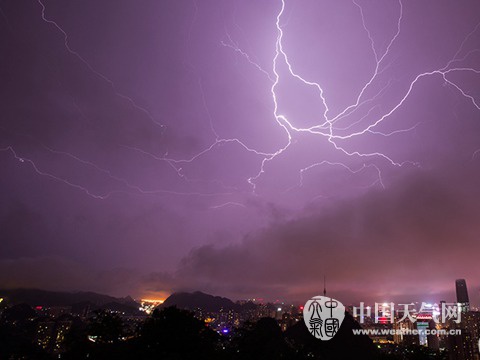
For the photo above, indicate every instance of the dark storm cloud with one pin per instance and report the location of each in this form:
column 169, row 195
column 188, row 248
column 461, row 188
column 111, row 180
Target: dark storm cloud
column 22, row 231
column 57, row 274
column 377, row 245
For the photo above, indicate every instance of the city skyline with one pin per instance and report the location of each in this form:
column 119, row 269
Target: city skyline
column 448, row 331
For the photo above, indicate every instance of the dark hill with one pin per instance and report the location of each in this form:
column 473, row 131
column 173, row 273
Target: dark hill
column 206, row 302
column 34, row 297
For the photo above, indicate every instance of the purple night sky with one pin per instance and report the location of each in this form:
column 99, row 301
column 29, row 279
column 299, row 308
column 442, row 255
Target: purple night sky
column 241, row 148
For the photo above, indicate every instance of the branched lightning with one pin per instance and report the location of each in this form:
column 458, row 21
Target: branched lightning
column 234, row 46
column 133, row 188
column 54, row 177
column 352, row 171
column 460, row 48
column 475, row 153
column 336, row 129
column 92, row 69
column 330, row 132
column 123, row 181
column 378, row 59
column 230, row 203
column 394, row 132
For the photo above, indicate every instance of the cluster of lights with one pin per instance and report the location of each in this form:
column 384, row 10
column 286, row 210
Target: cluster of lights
column 148, row 305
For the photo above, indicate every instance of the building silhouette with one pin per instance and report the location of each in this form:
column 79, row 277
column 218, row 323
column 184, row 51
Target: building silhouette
column 462, row 295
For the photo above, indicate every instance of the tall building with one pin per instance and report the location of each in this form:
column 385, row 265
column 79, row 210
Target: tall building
column 460, row 347
column 423, row 324
column 462, row 295
column 464, row 346
column 472, row 326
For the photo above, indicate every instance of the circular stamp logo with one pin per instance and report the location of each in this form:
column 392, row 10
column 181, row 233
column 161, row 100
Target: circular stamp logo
column 323, row 316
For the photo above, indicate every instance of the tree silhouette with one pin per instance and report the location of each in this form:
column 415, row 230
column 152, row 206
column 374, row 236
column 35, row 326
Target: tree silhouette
column 171, row 333
column 263, row 340
column 76, row 341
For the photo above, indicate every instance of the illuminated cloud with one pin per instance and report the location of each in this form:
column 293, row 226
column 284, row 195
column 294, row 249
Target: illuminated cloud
column 223, row 145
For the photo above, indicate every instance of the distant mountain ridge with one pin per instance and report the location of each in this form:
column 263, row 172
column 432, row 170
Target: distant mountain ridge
column 79, row 301
column 36, row 297
column 206, row 302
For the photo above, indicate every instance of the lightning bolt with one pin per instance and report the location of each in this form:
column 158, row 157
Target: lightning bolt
column 329, row 130
column 352, row 171
column 92, row 69
column 230, row 203
column 134, row 189
column 123, row 181
column 56, row 178
column 475, row 153
column 234, row 46
column 326, row 129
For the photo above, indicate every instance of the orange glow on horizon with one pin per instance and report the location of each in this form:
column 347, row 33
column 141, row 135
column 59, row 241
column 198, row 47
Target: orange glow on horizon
column 153, row 300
